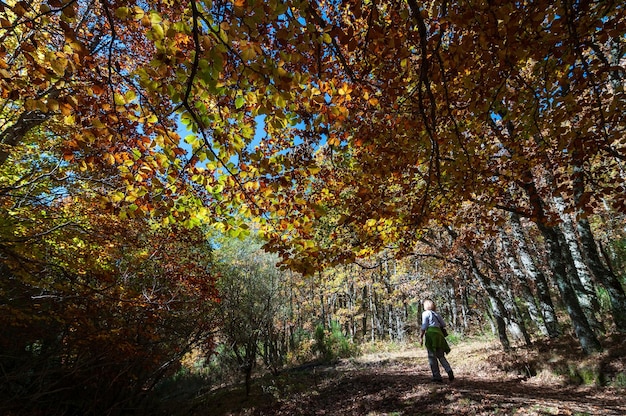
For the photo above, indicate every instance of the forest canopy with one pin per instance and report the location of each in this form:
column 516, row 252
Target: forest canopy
column 478, row 144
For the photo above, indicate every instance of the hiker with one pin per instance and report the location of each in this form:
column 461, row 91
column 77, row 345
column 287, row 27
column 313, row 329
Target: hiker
column 433, row 327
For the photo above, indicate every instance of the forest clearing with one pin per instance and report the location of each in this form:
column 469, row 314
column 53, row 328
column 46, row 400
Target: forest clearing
column 196, row 194
column 398, row 383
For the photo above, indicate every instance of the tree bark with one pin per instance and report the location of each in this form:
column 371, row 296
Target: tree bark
column 558, row 264
column 454, row 314
column 514, row 319
column 497, row 307
column 527, row 294
column 517, row 325
column 604, row 274
column 465, row 308
column 583, row 330
column 364, row 300
column 580, row 276
column 546, row 306
column 14, row 134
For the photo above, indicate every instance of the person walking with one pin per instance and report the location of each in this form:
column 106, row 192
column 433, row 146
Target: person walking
column 432, row 329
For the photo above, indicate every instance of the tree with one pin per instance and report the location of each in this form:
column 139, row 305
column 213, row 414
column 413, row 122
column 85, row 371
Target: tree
column 98, row 312
column 250, row 288
column 410, row 110
column 92, row 298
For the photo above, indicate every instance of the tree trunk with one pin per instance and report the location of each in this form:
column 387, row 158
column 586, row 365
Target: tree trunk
column 536, row 275
column 454, row 315
column 465, row 308
column 498, row 309
column 364, row 300
column 558, row 265
column 323, row 308
column 585, row 334
column 580, row 275
column 527, row 294
column 14, row 134
column 514, row 319
column 604, row 274
column 517, row 327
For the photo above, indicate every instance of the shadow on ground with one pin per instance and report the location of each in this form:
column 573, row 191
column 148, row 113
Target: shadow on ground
column 399, row 384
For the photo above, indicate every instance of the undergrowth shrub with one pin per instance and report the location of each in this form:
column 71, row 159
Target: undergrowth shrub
column 332, row 343
column 453, row 338
column 302, row 347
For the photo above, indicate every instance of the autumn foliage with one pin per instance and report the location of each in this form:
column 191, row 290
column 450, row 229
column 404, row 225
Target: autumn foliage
column 481, row 142
column 97, row 312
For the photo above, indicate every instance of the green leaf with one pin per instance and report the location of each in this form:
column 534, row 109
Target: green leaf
column 130, row 96
column 157, row 31
column 239, row 102
column 122, row 12
column 119, row 99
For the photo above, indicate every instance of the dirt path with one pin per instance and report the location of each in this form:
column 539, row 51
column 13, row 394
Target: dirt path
column 399, row 384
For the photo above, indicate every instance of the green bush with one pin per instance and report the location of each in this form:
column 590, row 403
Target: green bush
column 453, row 338
column 332, row 343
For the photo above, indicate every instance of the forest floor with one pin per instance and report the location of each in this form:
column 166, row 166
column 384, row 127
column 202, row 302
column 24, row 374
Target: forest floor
column 549, row 378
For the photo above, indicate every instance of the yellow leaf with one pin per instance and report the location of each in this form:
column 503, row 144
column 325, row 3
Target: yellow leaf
column 122, row 12
column 248, row 52
column 59, row 65
column 53, row 105
column 333, row 140
column 119, row 99
column 130, row 96
column 117, row 197
column 155, row 18
column 158, row 32
column 139, row 13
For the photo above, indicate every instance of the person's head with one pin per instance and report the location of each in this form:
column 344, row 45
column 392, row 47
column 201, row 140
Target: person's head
column 429, row 305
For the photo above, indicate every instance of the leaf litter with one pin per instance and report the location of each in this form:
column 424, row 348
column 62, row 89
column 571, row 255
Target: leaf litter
column 536, row 380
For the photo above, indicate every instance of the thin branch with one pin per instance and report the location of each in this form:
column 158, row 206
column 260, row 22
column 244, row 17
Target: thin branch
column 43, row 233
